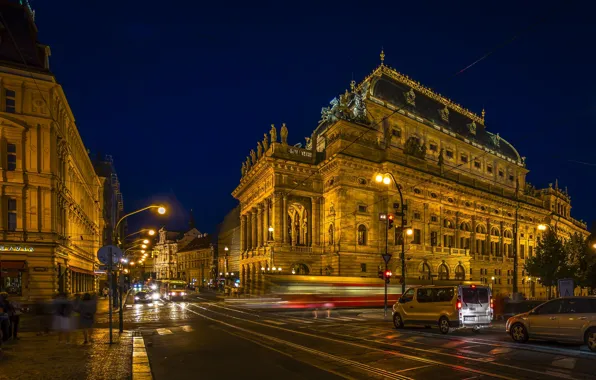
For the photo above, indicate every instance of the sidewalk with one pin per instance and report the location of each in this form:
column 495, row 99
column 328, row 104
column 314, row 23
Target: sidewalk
column 42, row 357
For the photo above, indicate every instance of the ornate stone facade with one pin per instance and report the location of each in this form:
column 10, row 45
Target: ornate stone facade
column 463, row 187
column 165, row 253
column 196, row 261
column 50, row 196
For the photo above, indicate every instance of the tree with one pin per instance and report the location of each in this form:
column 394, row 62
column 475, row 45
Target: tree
column 578, row 260
column 549, row 261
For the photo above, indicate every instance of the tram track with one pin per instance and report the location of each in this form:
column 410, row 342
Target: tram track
column 373, row 346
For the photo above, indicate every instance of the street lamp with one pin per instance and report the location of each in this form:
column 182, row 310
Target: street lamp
column 542, row 227
column 386, row 179
column 146, row 241
column 149, row 231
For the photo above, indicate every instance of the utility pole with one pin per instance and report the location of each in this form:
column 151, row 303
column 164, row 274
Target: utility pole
column 386, row 261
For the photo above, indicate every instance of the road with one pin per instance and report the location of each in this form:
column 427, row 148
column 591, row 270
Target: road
column 208, row 338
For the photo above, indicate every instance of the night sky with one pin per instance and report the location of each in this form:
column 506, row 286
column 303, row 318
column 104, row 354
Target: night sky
column 178, row 92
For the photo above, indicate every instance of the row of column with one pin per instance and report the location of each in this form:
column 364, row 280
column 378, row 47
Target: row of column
column 273, row 212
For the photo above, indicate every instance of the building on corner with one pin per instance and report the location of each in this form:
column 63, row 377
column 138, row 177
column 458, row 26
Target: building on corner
column 50, row 205
column 314, row 208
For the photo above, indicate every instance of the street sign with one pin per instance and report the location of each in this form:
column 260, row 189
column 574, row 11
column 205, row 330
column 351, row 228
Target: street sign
column 104, row 253
column 382, row 217
column 386, row 257
column 566, row 287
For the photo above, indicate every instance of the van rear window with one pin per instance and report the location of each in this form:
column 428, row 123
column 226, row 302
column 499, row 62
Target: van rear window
column 475, row 295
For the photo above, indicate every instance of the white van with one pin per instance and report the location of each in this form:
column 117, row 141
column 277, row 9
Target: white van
column 449, row 307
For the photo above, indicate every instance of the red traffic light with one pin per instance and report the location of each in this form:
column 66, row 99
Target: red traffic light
column 388, row 273
column 390, row 216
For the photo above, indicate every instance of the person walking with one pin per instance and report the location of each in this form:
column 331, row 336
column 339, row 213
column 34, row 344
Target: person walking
column 87, row 309
column 6, row 316
column 63, row 317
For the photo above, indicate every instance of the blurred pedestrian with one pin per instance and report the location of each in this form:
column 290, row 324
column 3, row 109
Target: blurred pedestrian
column 15, row 317
column 43, row 315
column 63, row 317
column 7, row 316
column 87, row 309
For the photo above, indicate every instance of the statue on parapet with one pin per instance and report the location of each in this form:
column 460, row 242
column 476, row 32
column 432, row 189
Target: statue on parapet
column 247, row 165
column 253, row 156
column 243, row 169
column 265, row 142
column 273, row 133
column 259, row 149
column 284, row 134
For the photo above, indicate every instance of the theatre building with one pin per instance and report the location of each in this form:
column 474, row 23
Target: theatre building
column 50, row 199
column 313, row 207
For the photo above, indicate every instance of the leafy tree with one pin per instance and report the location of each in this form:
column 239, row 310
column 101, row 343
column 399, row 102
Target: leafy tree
column 578, row 260
column 549, row 261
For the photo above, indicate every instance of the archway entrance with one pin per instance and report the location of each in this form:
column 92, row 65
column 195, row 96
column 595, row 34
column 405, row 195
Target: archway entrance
column 298, row 225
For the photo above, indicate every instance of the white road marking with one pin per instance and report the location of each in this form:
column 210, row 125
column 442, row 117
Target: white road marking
column 299, row 320
column 187, row 328
column 351, row 319
column 274, row 322
column 414, row 368
column 568, row 363
column 164, row 331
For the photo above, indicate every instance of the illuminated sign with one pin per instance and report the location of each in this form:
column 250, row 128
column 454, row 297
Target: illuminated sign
column 15, row 248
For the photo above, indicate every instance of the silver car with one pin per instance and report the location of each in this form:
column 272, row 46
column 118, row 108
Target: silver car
column 568, row 319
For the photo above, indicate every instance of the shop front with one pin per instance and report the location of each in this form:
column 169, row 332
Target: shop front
column 13, row 274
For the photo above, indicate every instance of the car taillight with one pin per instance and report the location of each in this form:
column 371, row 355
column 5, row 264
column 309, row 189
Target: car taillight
column 458, row 305
column 492, row 303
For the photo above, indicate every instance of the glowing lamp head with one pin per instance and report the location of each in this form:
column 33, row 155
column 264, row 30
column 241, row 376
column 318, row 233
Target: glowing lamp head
column 161, row 210
column 226, row 249
column 132, row 263
column 151, row 232
column 409, row 232
column 386, row 180
column 379, row 178
column 594, row 245
column 542, row 227
column 270, row 229
column 144, row 246
column 146, row 241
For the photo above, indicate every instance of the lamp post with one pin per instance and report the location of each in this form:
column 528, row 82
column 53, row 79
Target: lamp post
column 387, row 179
column 160, row 210
column 150, row 232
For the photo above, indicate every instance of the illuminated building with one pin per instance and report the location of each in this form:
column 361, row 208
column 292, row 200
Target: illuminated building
column 195, row 261
column 50, row 204
column 165, row 260
column 228, row 247
column 462, row 185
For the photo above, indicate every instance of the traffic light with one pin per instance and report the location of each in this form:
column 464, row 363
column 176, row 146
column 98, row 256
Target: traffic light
column 433, row 239
column 390, row 219
column 388, row 275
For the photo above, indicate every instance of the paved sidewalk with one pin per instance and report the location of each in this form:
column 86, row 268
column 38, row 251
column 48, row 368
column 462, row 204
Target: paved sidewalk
column 42, row 357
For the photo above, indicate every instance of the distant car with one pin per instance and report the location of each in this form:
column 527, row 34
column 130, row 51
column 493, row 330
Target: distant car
column 142, row 297
column 568, row 319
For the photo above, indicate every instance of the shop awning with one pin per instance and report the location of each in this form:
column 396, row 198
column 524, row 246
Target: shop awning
column 81, row 270
column 14, row 265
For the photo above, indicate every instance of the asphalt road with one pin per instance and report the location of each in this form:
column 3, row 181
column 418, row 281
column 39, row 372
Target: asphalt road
column 208, row 338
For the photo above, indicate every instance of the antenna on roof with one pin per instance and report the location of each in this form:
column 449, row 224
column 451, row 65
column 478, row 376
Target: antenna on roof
column 483, row 113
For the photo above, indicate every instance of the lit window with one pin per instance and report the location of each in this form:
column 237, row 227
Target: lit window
column 12, row 214
column 11, row 157
column 10, row 101
column 361, row 234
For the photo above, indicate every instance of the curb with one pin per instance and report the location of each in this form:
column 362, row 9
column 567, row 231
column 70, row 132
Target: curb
column 141, row 369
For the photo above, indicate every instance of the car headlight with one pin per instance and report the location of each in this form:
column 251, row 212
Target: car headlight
column 136, row 298
column 155, row 296
column 183, row 293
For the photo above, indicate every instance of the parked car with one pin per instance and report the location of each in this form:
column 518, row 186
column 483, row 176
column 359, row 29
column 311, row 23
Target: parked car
column 449, row 307
column 567, row 319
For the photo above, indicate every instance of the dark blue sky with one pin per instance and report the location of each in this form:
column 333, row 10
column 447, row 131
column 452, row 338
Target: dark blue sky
column 180, row 91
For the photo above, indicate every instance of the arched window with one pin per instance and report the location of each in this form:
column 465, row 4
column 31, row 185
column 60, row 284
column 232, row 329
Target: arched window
column 300, row 269
column 460, row 273
column 480, row 229
column 447, row 223
column 508, row 234
column 331, row 232
column 362, row 238
column 425, row 271
column 465, row 226
column 443, row 272
column 495, row 231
